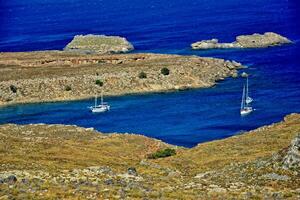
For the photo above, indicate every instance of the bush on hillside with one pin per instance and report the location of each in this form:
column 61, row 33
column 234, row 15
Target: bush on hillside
column 165, row 71
column 13, row 88
column 142, row 75
column 68, row 88
column 99, row 82
column 162, row 153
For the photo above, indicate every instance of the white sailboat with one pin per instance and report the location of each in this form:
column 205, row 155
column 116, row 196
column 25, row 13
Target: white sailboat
column 248, row 99
column 103, row 107
column 245, row 108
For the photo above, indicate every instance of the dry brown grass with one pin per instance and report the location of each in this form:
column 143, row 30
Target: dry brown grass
column 241, row 148
column 27, row 147
column 58, row 150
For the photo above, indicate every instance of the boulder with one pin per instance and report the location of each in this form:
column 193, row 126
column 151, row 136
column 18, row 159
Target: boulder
column 244, row 75
column 292, row 158
column 108, row 182
column 132, row 171
column 11, row 179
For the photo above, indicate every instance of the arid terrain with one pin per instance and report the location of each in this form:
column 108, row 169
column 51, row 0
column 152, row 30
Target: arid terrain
column 68, row 162
column 58, row 75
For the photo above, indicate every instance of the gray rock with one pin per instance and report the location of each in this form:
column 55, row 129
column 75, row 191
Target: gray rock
column 10, row 179
column 108, row 182
column 244, row 41
column 292, row 158
column 25, row 181
column 277, row 177
column 244, row 75
column 234, row 75
column 211, row 44
column 132, row 171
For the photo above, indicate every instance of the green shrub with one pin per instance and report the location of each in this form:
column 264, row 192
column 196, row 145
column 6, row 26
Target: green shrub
column 165, row 71
column 162, row 153
column 68, row 88
column 13, row 88
column 142, row 75
column 99, row 82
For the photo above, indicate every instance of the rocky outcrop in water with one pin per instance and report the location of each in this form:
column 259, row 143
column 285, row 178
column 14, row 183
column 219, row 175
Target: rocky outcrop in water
column 244, row 41
column 99, row 44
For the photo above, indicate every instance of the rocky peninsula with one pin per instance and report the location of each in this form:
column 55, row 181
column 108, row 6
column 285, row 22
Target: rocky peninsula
column 268, row 39
column 59, row 75
column 40, row 161
column 100, row 44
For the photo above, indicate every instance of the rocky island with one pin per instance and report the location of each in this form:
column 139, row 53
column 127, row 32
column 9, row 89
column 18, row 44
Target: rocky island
column 268, row 39
column 41, row 161
column 59, row 75
column 100, row 44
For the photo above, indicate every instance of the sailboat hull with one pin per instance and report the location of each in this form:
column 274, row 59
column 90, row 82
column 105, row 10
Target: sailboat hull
column 100, row 108
column 246, row 111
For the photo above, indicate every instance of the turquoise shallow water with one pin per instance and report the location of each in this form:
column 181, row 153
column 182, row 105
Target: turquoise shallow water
column 183, row 118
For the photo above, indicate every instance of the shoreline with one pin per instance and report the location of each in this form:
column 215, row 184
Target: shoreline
column 46, row 74
column 107, row 96
column 50, row 157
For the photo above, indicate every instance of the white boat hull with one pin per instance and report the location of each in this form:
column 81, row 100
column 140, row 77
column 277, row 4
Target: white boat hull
column 246, row 111
column 100, row 109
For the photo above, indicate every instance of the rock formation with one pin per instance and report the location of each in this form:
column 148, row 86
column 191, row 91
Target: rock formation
column 292, row 158
column 99, row 44
column 244, row 41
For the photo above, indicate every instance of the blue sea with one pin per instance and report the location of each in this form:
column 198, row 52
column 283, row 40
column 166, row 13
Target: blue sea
column 183, row 118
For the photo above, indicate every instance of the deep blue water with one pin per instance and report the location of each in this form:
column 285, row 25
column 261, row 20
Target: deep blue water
column 183, row 118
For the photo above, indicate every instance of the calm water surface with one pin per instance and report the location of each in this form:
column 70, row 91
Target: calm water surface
column 182, row 118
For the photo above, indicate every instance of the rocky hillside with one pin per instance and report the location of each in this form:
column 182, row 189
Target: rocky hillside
column 244, row 41
column 56, row 75
column 69, row 162
column 100, row 44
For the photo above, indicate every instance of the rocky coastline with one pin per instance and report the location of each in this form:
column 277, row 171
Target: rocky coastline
column 267, row 39
column 60, row 76
column 39, row 161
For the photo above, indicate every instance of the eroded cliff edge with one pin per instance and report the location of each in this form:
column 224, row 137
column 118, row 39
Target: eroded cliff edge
column 58, row 75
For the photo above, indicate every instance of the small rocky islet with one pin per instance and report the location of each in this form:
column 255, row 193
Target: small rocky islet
column 265, row 40
column 100, row 44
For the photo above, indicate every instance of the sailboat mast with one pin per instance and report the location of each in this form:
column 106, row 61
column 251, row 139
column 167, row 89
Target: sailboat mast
column 95, row 100
column 247, row 90
column 101, row 97
column 243, row 99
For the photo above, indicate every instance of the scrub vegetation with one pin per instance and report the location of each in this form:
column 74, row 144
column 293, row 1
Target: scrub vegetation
column 69, row 162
